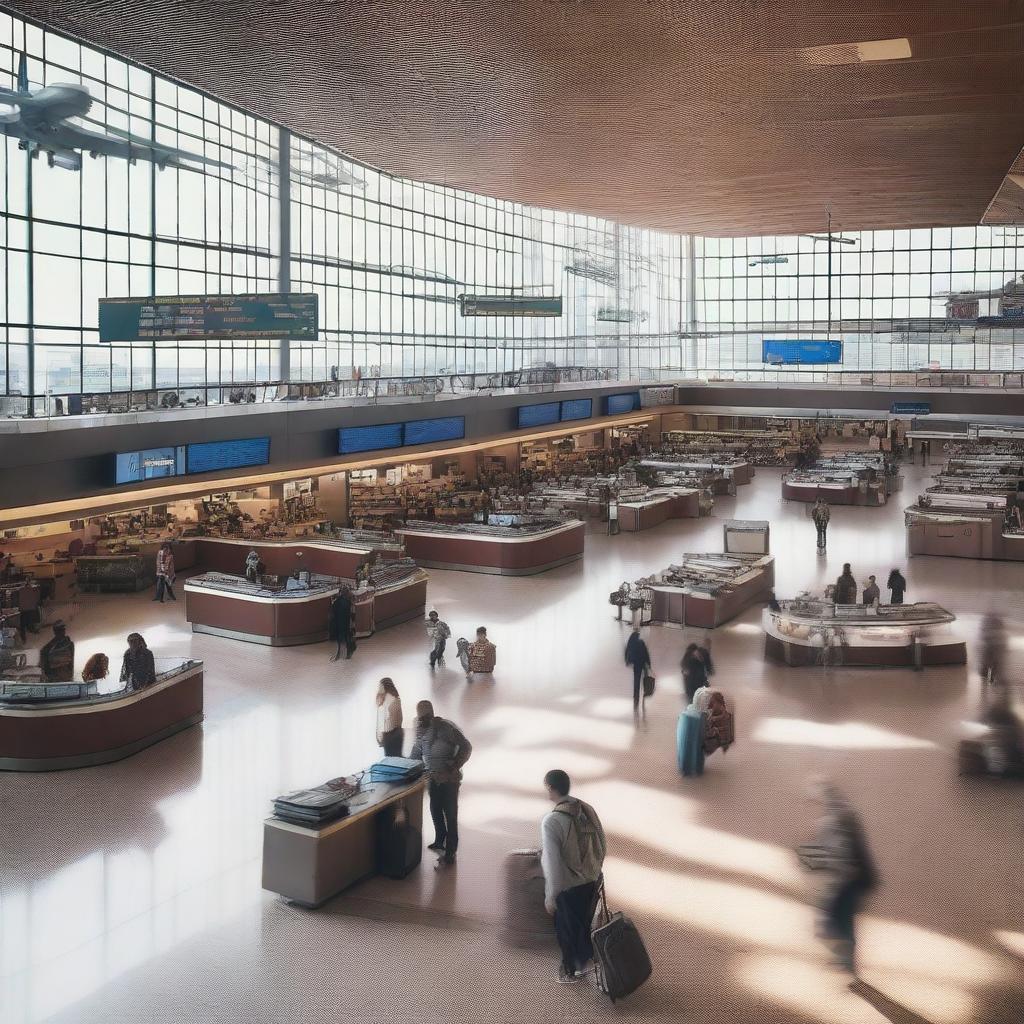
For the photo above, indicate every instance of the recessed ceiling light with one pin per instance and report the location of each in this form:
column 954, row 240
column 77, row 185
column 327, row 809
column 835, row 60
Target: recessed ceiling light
column 858, row 53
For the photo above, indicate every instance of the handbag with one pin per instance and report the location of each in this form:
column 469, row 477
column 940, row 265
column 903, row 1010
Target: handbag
column 649, row 680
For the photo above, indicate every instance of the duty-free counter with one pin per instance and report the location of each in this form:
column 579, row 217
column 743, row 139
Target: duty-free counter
column 963, row 525
column 818, row 632
column 230, row 606
column 707, row 590
column 95, row 728
column 659, row 507
column 502, row 550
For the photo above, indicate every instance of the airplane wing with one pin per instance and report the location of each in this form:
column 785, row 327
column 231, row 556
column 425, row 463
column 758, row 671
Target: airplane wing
column 128, row 147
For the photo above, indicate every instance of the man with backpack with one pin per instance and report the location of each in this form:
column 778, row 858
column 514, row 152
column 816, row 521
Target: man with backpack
column 821, row 515
column 572, row 857
column 437, row 633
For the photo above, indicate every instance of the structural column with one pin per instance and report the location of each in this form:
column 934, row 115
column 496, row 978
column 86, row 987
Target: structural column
column 284, row 238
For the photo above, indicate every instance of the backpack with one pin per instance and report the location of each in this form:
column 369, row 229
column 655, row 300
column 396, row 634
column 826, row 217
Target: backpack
column 584, row 847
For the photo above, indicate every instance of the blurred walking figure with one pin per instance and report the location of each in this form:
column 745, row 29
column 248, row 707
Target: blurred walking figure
column 840, row 851
column 993, row 649
column 437, row 633
column 821, row 515
column 897, row 587
column 390, row 733
column 639, row 658
column 697, row 667
column 846, row 587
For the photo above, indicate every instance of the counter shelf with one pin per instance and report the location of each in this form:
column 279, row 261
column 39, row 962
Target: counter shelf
column 817, row 632
column 44, row 728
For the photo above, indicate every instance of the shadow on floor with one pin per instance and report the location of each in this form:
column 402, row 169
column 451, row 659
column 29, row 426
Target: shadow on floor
column 888, row 1008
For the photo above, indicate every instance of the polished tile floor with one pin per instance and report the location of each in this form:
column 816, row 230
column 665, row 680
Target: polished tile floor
column 131, row 892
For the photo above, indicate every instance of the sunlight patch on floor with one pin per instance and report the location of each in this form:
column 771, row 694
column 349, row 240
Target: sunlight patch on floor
column 845, row 736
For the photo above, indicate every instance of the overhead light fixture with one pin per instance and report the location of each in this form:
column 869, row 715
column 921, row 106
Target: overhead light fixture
column 858, row 53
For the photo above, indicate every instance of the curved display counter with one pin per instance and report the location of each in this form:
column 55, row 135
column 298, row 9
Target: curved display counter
column 267, row 613
column 326, row 556
column 502, row 550
column 799, row 486
column 817, row 632
column 46, row 728
column 707, row 590
column 963, row 526
column 643, row 515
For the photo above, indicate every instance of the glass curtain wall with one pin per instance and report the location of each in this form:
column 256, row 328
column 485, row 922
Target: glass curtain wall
column 907, row 300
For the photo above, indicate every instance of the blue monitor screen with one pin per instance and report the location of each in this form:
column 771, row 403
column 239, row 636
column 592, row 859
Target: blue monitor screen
column 208, row 456
column 577, row 409
column 447, row 428
column 538, row 415
column 149, row 464
column 616, row 404
column 783, row 351
column 369, row 439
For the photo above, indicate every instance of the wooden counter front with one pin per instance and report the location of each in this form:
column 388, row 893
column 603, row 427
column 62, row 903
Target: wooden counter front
column 506, row 556
column 227, row 554
column 308, row 866
column 850, row 494
column 681, row 606
column 643, row 515
column 96, row 730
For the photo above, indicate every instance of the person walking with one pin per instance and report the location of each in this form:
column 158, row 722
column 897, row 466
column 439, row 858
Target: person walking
column 390, row 734
column 437, row 633
column 897, row 587
column 340, row 625
column 639, row 658
column 57, row 656
column 846, row 587
column 137, row 668
column 572, row 856
column 483, row 655
column 164, row 573
column 872, row 595
column 840, row 851
column 821, row 515
column 697, row 667
column 444, row 749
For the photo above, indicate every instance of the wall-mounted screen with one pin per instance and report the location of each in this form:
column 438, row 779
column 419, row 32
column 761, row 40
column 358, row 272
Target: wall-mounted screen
column 538, row 415
column 510, row 305
column 910, row 408
column 617, row 404
column 149, row 464
column 785, row 351
column 179, row 317
column 369, row 439
column 577, row 409
column 446, row 428
column 208, row 456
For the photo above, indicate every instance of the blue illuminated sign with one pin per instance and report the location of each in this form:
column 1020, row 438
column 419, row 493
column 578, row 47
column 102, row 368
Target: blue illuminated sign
column 445, row 428
column 369, row 439
column 910, row 408
column 617, row 404
column 786, row 351
column 538, row 415
column 577, row 409
column 149, row 464
column 209, row 456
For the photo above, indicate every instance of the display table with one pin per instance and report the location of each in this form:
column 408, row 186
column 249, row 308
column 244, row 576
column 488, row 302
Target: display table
column 818, row 632
column 309, row 866
column 322, row 555
column 115, row 574
column 707, row 590
column 502, row 550
column 962, row 525
column 642, row 515
column 45, row 735
column 799, row 486
column 265, row 613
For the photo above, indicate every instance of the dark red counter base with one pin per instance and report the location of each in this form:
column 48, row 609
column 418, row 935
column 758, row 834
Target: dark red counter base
column 872, row 498
column 799, row 656
column 496, row 556
column 279, row 559
column 79, row 735
column 965, row 540
column 671, row 608
column 682, row 506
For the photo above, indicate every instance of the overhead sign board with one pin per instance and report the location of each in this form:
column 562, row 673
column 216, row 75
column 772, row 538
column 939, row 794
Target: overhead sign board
column 290, row 315
column 787, row 351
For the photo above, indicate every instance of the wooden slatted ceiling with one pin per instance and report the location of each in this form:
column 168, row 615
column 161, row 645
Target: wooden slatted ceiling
column 712, row 117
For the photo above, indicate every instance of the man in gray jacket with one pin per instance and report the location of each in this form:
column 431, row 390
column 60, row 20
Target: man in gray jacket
column 444, row 749
column 572, row 856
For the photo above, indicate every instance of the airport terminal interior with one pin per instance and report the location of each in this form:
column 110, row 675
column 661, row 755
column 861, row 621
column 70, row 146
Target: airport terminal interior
column 511, row 514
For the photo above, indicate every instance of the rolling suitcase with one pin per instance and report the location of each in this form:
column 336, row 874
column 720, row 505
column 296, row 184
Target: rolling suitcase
column 399, row 844
column 620, row 956
column 690, row 743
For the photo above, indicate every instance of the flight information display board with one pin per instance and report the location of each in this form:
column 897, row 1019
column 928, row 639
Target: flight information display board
column 149, row 464
column 785, row 351
column 538, row 415
column 616, row 404
column 209, row 456
column 446, row 428
column 369, row 439
column 577, row 409
column 510, row 305
column 182, row 317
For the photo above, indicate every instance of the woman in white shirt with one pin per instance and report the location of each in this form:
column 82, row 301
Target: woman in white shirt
column 390, row 733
